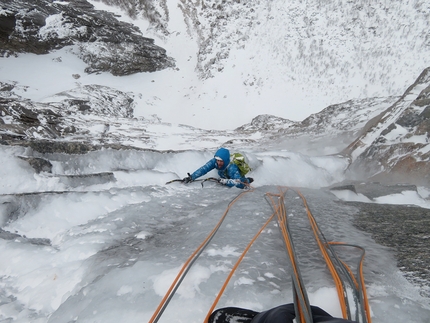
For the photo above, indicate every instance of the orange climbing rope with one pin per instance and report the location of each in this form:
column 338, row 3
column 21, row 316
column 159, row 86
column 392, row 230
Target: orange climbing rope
column 235, row 267
column 303, row 311
column 358, row 283
column 301, row 301
column 338, row 282
column 324, row 247
column 277, row 208
column 187, row 265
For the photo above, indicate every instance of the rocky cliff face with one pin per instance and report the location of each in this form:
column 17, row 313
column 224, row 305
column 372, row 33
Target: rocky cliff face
column 395, row 144
column 66, row 120
column 102, row 42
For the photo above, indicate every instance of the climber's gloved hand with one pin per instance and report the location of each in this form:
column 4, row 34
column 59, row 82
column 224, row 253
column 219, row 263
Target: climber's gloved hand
column 250, row 180
column 187, row 179
column 223, row 181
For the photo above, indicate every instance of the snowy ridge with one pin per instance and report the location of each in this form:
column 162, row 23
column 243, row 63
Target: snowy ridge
column 333, row 129
column 392, row 114
column 397, row 140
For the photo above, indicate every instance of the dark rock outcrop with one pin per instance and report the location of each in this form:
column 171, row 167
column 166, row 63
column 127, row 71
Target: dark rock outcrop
column 39, row 164
column 104, row 43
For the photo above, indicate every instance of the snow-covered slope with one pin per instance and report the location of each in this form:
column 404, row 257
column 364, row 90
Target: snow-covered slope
column 294, row 58
column 237, row 60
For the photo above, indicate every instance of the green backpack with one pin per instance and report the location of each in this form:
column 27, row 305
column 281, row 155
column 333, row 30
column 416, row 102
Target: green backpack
column 239, row 160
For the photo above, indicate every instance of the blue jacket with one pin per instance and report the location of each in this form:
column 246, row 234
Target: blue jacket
column 228, row 171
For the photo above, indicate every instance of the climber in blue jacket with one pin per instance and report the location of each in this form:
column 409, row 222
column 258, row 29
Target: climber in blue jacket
column 229, row 172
